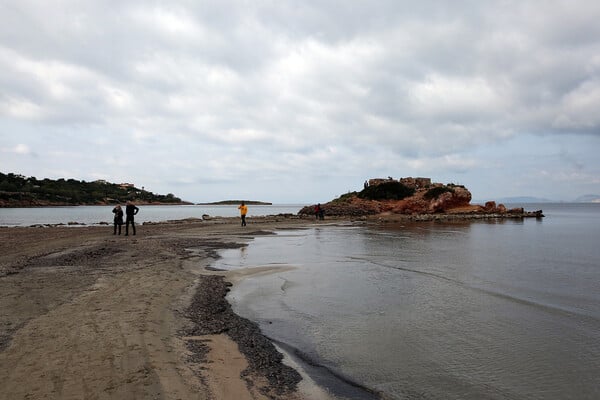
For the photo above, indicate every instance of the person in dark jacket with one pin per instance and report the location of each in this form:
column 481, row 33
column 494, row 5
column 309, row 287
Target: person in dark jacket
column 319, row 212
column 130, row 211
column 118, row 211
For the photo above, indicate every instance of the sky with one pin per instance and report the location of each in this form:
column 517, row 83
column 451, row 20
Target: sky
column 302, row 101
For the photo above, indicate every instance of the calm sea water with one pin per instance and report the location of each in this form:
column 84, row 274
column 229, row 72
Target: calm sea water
column 90, row 215
column 467, row 310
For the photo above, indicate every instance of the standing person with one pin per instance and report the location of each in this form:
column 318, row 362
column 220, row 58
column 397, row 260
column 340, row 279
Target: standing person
column 317, row 211
column 130, row 211
column 321, row 213
column 118, row 211
column 243, row 211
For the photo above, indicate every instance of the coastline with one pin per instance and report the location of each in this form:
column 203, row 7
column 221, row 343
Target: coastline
column 44, row 204
column 86, row 313
column 139, row 316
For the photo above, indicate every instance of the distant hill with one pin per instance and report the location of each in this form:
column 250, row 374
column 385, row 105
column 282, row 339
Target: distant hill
column 20, row 191
column 234, row 202
column 588, row 198
column 523, row 199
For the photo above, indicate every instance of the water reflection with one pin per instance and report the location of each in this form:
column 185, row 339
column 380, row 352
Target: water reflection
column 436, row 310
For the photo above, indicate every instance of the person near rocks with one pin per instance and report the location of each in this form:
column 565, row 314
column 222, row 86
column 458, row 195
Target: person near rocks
column 130, row 211
column 118, row 220
column 319, row 212
column 243, row 211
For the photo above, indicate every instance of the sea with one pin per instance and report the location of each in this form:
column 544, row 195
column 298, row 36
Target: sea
column 96, row 215
column 498, row 309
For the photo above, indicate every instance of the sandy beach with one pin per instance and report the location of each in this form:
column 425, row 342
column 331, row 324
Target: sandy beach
column 85, row 314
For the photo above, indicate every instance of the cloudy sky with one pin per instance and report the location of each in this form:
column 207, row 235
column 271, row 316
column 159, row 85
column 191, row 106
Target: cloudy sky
column 301, row 101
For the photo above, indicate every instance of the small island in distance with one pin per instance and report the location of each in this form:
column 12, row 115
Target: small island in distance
column 236, row 202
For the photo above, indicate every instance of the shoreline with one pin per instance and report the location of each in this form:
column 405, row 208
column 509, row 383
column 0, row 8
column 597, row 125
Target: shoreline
column 158, row 293
column 105, row 204
column 114, row 316
column 385, row 217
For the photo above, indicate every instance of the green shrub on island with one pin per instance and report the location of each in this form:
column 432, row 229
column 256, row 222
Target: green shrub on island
column 345, row 198
column 386, row 191
column 435, row 192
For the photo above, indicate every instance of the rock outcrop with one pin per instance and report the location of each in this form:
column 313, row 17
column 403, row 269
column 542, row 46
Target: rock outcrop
column 418, row 197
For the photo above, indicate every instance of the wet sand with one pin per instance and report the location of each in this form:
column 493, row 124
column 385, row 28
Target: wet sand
column 85, row 314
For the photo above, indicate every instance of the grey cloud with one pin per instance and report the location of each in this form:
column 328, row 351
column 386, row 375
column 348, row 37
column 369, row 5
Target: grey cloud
column 240, row 88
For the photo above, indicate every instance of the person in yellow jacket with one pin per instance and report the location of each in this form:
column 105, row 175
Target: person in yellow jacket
column 243, row 211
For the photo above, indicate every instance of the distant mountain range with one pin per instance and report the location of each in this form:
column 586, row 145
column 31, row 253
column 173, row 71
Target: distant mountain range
column 588, row 198
column 524, row 199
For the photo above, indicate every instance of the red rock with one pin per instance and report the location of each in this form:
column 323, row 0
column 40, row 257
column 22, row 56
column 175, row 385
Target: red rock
column 454, row 200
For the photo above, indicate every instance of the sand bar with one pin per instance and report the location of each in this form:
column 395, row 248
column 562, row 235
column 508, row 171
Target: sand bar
column 85, row 314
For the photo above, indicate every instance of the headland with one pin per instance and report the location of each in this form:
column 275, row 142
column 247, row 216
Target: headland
column 417, row 199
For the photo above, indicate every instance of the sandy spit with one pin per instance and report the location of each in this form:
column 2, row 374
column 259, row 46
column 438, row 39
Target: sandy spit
column 85, row 314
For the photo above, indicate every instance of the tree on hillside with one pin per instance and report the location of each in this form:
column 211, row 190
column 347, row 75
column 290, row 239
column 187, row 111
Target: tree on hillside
column 72, row 191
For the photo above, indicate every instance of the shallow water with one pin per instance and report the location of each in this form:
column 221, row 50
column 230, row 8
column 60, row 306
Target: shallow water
column 91, row 215
column 467, row 310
